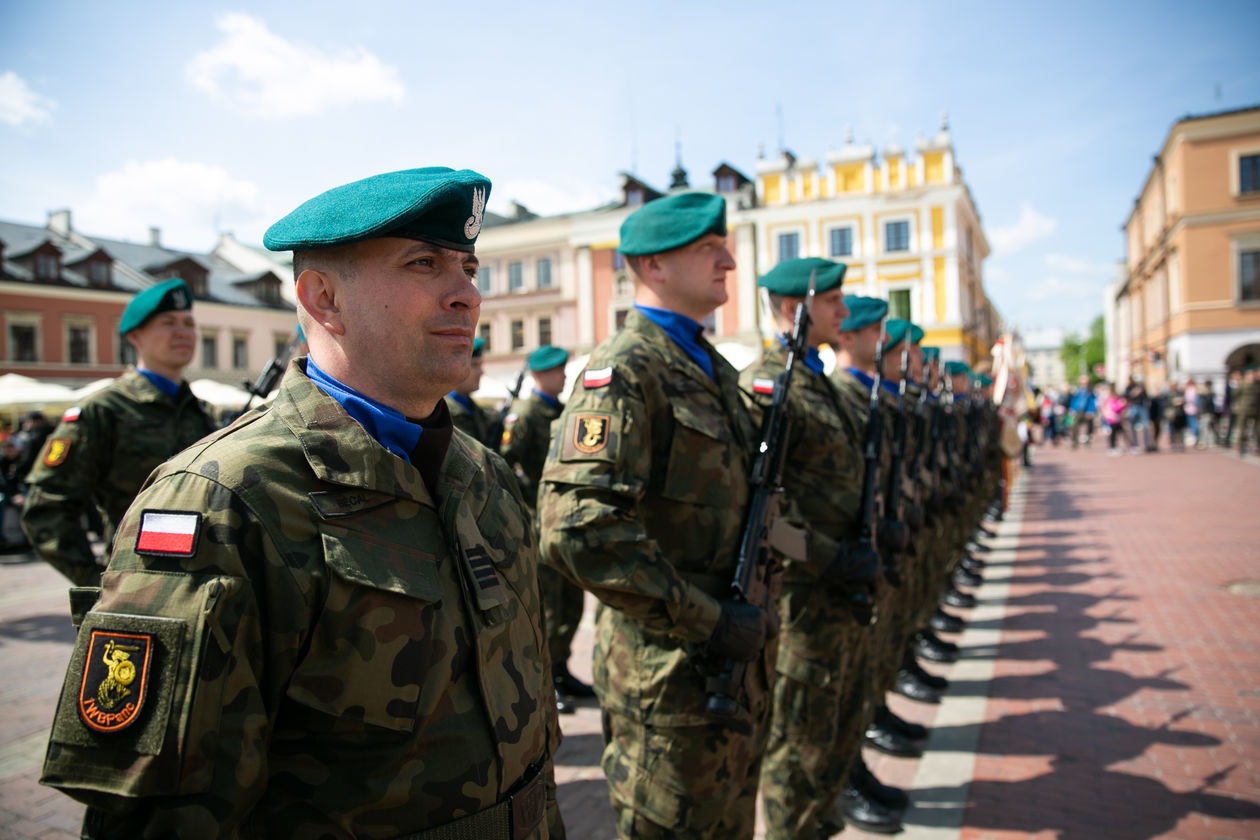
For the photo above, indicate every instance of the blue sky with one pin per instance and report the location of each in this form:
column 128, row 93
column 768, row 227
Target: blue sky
column 205, row 117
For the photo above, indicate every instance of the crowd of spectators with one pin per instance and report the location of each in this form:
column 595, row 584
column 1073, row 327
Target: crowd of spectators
column 1132, row 419
column 18, row 451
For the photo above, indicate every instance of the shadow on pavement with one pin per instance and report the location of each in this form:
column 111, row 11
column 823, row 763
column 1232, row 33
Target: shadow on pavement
column 49, row 627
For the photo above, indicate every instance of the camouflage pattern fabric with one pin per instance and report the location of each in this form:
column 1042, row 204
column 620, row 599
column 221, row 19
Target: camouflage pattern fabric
column 818, row 701
column 100, row 454
column 642, row 503
column 526, row 439
column 475, row 423
column 315, row 646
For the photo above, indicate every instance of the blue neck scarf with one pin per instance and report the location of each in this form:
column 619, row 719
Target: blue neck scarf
column 812, row 360
column 466, row 402
column 160, row 382
column 547, row 398
column 684, row 331
column 388, row 426
column 861, row 377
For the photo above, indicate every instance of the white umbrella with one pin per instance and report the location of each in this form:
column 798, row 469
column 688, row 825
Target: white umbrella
column 218, row 394
column 18, row 391
column 91, row 388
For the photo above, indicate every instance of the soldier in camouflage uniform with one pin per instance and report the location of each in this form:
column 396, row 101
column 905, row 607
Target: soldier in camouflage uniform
column 1246, row 411
column 468, row 417
column 321, row 621
column 642, row 502
column 816, row 696
column 104, row 448
column 526, row 439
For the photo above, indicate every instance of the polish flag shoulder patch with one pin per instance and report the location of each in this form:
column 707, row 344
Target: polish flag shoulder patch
column 168, row 533
column 763, row 386
column 71, row 414
column 597, row 378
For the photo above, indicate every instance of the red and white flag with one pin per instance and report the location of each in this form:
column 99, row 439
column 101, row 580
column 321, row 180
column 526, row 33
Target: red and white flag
column 597, row 378
column 168, row 532
column 763, row 386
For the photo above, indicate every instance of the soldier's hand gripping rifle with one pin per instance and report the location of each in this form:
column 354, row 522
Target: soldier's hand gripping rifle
column 750, row 584
column 494, row 435
column 894, row 536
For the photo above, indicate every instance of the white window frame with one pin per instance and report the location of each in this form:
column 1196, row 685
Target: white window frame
column 551, row 274
column 912, row 232
column 788, row 230
column 485, row 279
column 1238, row 244
column 519, row 285
column 1235, row 170
column 243, row 337
column 23, row 319
column 201, row 348
column 854, row 245
column 911, row 286
column 69, row 322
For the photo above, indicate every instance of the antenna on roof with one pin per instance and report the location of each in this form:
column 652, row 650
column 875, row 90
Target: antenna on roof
column 778, row 116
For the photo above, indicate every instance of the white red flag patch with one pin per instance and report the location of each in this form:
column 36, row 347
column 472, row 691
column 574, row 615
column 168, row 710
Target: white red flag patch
column 168, row 533
column 597, row 378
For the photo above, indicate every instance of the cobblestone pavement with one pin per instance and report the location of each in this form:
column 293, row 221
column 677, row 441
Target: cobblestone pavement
column 1109, row 688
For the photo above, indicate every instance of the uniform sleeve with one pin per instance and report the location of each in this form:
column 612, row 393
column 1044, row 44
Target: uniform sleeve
column 69, row 467
column 597, row 471
column 176, row 675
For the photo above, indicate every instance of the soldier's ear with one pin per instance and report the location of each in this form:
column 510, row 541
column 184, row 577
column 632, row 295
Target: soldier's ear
column 317, row 293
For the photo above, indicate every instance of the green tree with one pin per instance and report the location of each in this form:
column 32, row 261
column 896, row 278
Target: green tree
column 1083, row 354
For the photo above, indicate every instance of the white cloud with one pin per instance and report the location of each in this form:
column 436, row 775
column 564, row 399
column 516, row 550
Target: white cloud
column 547, row 198
column 261, row 74
column 1059, row 288
column 190, row 201
column 1030, row 227
column 19, row 104
column 1079, row 267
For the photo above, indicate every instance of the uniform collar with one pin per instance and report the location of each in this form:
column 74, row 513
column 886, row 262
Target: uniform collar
column 547, row 398
column 683, row 331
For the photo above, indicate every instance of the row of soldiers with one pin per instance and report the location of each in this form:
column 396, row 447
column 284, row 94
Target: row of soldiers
column 324, row 620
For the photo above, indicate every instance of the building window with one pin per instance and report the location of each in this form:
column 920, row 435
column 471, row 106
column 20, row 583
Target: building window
column 485, row 280
column 518, row 334
column 899, row 304
column 622, row 286
column 23, row 343
column 268, row 291
column 209, row 352
column 79, row 344
column 1249, row 173
column 46, row 267
column 619, row 261
column 726, row 183
column 516, row 276
column 897, row 236
column 240, row 353
column 279, row 344
column 842, row 242
column 634, row 198
column 544, row 331
column 1249, row 276
column 126, row 352
column 789, row 246
column 544, row 273
column 483, row 331
column 619, row 318
column 99, row 273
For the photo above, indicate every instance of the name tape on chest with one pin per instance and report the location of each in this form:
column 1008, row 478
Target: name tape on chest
column 168, row 533
column 597, row 378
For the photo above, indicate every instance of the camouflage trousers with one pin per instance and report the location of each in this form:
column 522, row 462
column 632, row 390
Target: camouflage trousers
column 815, row 734
column 562, row 612
column 681, row 783
column 890, row 632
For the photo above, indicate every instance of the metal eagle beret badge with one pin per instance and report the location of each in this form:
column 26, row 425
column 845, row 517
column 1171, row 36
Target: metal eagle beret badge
column 436, row 204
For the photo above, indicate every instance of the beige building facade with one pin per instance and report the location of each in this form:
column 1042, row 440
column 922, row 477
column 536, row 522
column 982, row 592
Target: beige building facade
column 1188, row 305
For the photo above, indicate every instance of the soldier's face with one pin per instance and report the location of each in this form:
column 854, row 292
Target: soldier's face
column 166, row 342
column 550, row 382
column 916, row 363
column 694, row 276
column 408, row 314
column 827, row 317
column 473, row 381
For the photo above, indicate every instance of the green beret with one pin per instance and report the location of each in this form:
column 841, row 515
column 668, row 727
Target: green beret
column 479, row 346
column 985, row 379
column 791, row 277
column 957, row 368
column 168, row 296
column 930, row 354
column 863, row 311
column 436, row 204
column 898, row 329
column 547, row 357
column 672, row 222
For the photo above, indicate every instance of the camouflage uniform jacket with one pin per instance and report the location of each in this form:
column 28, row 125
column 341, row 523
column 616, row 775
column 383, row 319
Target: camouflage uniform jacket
column 642, row 503
column 475, row 423
column 100, row 453
column 329, row 652
column 526, row 439
column 822, row 473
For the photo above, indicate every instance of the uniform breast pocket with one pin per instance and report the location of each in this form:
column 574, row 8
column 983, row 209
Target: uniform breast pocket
column 375, row 639
column 701, row 457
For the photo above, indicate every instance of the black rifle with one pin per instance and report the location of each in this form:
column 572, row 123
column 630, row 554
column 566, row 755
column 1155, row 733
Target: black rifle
column 894, row 537
column 750, row 584
column 266, row 381
column 494, row 435
column 915, row 512
column 867, row 541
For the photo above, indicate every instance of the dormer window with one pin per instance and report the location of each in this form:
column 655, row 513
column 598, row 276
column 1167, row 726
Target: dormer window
column 268, row 290
column 47, row 266
column 634, row 198
column 726, row 183
column 99, row 273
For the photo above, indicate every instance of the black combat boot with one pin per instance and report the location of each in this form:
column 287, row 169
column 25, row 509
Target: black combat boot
column 933, row 648
column 908, row 684
column 892, row 798
column 862, row 811
column 884, row 717
column 569, row 685
column 943, row 622
column 963, row 577
column 956, row 598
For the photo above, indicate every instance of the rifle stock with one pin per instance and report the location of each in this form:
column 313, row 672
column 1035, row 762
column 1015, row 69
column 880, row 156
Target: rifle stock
column 494, row 435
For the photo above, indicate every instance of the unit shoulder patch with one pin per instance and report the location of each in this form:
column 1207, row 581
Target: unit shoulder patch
column 590, row 433
column 115, row 680
column 56, row 451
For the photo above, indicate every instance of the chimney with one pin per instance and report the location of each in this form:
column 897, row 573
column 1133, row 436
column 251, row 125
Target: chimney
column 155, row 237
column 59, row 222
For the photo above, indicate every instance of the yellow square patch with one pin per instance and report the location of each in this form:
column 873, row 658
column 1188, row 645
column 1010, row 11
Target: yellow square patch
column 56, row 451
